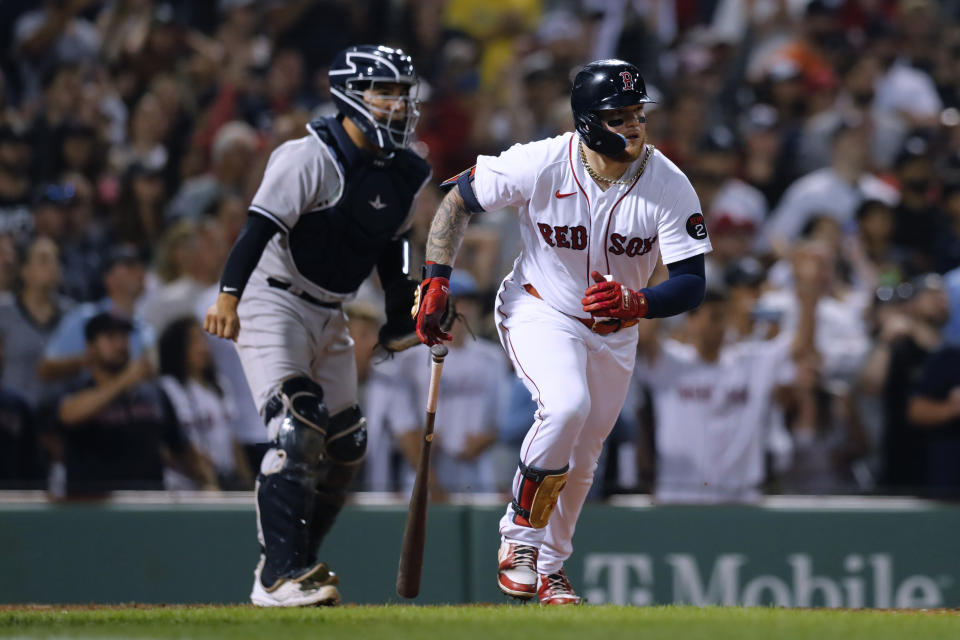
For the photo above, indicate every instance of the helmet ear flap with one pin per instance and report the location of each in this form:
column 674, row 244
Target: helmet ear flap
column 597, row 137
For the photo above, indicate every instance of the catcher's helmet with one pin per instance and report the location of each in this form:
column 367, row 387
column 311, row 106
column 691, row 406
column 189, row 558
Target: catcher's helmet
column 358, row 68
column 601, row 85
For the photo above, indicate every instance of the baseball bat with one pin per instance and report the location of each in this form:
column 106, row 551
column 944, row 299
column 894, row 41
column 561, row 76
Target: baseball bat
column 415, row 532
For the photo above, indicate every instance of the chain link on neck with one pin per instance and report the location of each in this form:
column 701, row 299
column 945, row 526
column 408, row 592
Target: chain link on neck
column 596, row 176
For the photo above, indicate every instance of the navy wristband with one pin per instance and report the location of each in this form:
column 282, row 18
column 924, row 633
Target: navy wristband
column 436, row 270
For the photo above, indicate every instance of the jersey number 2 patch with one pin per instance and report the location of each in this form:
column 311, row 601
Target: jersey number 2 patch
column 697, row 227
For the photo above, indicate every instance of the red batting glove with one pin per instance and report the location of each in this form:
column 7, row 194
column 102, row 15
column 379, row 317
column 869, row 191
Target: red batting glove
column 613, row 300
column 431, row 303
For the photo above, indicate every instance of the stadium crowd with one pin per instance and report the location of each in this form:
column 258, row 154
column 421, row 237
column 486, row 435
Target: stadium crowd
column 822, row 137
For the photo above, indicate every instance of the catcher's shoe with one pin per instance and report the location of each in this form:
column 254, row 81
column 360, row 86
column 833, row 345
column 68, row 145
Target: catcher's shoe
column 317, row 587
column 554, row 588
column 517, row 575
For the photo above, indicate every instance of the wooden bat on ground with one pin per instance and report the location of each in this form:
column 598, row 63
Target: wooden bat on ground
column 414, row 534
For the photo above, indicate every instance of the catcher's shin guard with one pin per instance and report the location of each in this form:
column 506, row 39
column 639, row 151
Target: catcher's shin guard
column 346, row 446
column 289, row 474
column 537, row 495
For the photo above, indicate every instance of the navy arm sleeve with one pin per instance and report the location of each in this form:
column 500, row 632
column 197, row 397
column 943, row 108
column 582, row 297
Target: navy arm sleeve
column 682, row 291
column 246, row 253
column 394, row 261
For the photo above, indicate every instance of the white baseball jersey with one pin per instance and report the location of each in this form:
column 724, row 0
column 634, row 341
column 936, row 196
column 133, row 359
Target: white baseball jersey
column 713, row 419
column 570, row 227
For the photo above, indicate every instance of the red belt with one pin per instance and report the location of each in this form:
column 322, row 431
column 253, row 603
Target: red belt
column 602, row 327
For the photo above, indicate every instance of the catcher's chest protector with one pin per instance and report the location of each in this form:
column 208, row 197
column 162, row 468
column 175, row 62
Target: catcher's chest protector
column 337, row 246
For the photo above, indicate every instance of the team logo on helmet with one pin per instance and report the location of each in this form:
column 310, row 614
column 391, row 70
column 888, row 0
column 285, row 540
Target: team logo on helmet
column 627, row 80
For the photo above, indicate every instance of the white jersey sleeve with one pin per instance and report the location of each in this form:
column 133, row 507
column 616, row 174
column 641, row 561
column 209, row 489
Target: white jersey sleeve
column 508, row 180
column 300, row 176
column 680, row 226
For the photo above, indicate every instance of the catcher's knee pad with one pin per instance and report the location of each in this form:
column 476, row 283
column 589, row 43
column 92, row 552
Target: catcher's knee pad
column 300, row 421
column 537, row 495
column 347, row 437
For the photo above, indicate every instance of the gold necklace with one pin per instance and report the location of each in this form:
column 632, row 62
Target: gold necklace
column 596, row 176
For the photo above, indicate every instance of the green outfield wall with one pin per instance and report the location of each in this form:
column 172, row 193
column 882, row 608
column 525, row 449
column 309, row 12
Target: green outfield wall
column 853, row 554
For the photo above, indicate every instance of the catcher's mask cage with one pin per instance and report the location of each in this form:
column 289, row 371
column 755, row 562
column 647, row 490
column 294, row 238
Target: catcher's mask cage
column 363, row 68
column 600, row 86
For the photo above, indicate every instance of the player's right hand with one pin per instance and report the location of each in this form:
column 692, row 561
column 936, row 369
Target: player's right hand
column 222, row 319
column 431, row 303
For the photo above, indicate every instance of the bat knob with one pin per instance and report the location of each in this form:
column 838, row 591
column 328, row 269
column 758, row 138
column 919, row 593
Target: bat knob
column 439, row 352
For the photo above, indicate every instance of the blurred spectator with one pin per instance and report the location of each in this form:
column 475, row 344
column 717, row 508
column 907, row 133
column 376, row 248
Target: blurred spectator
column 875, row 259
column 231, row 156
column 917, row 217
column 903, row 89
column 841, row 336
column 67, row 354
column 769, row 155
column 20, row 463
column 948, row 239
column 906, row 336
column 15, row 185
column 28, row 319
column 735, row 211
column 200, row 402
column 80, row 236
column 747, row 319
column 118, row 428
column 835, row 190
column 138, row 216
column 190, row 259
column 935, row 409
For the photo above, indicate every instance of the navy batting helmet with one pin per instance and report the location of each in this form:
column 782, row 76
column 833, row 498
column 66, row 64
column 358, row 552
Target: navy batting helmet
column 359, row 68
column 602, row 85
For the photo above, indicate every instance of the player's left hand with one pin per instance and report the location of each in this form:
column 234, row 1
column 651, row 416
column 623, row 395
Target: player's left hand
column 610, row 299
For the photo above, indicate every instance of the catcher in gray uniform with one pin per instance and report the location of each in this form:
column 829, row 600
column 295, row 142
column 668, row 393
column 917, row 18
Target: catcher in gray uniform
column 332, row 205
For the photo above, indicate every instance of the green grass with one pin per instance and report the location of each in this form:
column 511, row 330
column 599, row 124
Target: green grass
column 474, row 622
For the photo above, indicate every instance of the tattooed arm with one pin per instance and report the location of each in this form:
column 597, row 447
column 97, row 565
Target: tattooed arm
column 448, row 228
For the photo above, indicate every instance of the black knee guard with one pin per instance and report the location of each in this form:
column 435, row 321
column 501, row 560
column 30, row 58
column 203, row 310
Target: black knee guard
column 289, row 475
column 537, row 495
column 346, row 446
column 347, row 440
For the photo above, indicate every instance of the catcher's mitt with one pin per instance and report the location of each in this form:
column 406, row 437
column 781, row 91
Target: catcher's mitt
column 400, row 331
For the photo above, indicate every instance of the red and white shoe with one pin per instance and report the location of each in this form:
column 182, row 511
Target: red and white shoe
column 517, row 574
column 554, row 588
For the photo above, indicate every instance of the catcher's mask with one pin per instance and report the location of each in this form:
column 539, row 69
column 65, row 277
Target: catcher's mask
column 599, row 86
column 357, row 70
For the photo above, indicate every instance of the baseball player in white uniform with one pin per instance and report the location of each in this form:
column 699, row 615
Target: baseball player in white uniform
column 596, row 207
column 332, row 206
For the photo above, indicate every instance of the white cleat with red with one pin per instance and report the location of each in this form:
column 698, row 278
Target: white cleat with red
column 517, row 575
column 554, row 588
